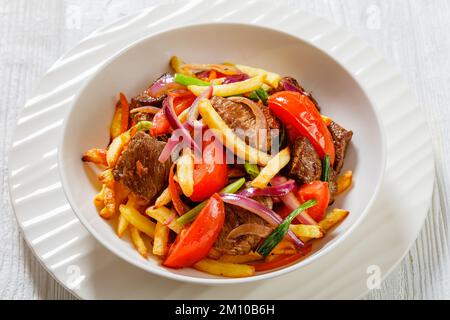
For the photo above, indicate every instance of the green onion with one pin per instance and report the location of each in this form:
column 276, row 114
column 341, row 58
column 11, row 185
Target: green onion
column 191, row 214
column 143, row 125
column 280, row 231
column 326, row 168
column 263, row 95
column 252, row 170
column 253, row 96
column 188, row 81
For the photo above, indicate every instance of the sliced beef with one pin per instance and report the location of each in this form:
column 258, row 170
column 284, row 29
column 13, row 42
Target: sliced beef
column 289, row 82
column 235, row 217
column 241, row 119
column 138, row 167
column 305, row 165
column 341, row 140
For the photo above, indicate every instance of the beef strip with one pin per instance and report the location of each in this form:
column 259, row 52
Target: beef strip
column 241, row 119
column 151, row 180
column 235, row 217
column 305, row 165
column 295, row 83
column 341, row 140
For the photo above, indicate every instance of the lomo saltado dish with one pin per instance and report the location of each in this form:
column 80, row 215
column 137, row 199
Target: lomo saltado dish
column 226, row 168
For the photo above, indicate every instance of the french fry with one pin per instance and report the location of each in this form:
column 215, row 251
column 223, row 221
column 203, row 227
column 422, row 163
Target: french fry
column 307, row 231
column 285, row 247
column 178, row 65
column 344, row 182
column 122, row 225
column 333, row 218
column 136, row 219
column 121, row 193
column 138, row 242
column 273, row 167
column 110, row 207
column 183, row 115
column 116, row 122
column 116, row 147
column 160, row 247
column 231, row 89
column 225, row 269
column 99, row 199
column 163, row 199
column 241, row 259
column 185, row 172
column 163, row 215
column 270, row 78
column 213, row 120
column 97, row 156
column 106, row 177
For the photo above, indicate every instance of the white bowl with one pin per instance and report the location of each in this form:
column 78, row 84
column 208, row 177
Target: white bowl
column 135, row 67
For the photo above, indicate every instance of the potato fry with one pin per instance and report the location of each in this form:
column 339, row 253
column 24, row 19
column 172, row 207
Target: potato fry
column 163, row 215
column 333, row 218
column 116, row 123
column 122, row 225
column 274, row 166
column 271, row 78
column 97, row 156
column 185, row 172
column 116, row 147
column 231, row 89
column 121, row 193
column 136, row 219
column 344, row 182
column 160, row 247
column 183, row 115
column 307, row 231
column 106, row 177
column 163, row 199
column 225, row 269
column 284, row 247
column 241, row 259
column 177, row 64
column 99, row 199
column 213, row 120
column 138, row 242
column 110, row 207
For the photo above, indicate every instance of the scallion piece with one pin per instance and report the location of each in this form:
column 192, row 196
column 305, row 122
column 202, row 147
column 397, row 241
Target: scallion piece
column 326, row 168
column 252, row 170
column 253, row 96
column 191, row 214
column 144, row 125
column 281, row 230
column 188, row 81
column 263, row 95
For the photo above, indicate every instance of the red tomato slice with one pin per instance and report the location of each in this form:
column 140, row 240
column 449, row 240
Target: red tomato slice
column 183, row 99
column 315, row 190
column 211, row 175
column 299, row 112
column 193, row 243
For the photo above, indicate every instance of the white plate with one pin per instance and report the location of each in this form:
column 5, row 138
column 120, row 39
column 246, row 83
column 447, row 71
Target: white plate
column 74, row 257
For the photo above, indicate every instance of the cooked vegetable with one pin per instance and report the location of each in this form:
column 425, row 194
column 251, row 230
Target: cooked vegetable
column 99, row 199
column 138, row 241
column 221, row 68
column 280, row 231
column 189, row 81
column 300, row 113
column 326, row 120
column 344, row 182
column 241, row 259
column 326, row 168
column 251, row 169
column 231, row 270
column 97, row 156
column 272, row 168
column 116, row 123
column 122, row 225
column 334, row 217
column 270, row 78
column 193, row 243
column 284, row 247
column 230, row 89
column 276, row 191
column 307, row 231
column 317, row 190
column 161, row 240
column 136, row 219
column 164, row 216
column 228, row 138
column 163, row 199
column 193, row 110
column 282, row 260
column 150, row 109
column 260, row 210
column 163, row 85
column 178, row 65
column 116, row 147
column 192, row 214
column 175, row 191
column 185, row 172
column 262, row 94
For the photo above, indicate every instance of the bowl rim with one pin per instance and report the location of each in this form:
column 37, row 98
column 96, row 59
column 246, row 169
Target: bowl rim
column 217, row 281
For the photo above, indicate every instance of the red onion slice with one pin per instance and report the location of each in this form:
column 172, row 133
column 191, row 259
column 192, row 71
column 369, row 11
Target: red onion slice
column 291, row 201
column 275, row 191
column 260, row 210
column 193, row 110
column 250, row 228
column 146, row 110
column 236, row 78
column 164, row 84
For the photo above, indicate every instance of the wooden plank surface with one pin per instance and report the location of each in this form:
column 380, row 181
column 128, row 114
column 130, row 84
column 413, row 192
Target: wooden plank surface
column 412, row 34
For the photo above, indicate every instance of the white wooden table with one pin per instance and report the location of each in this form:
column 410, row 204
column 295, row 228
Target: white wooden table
column 412, row 34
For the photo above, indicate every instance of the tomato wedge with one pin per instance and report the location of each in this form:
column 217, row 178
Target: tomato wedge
column 315, row 190
column 282, row 260
column 211, row 174
column 299, row 112
column 183, row 99
column 194, row 243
